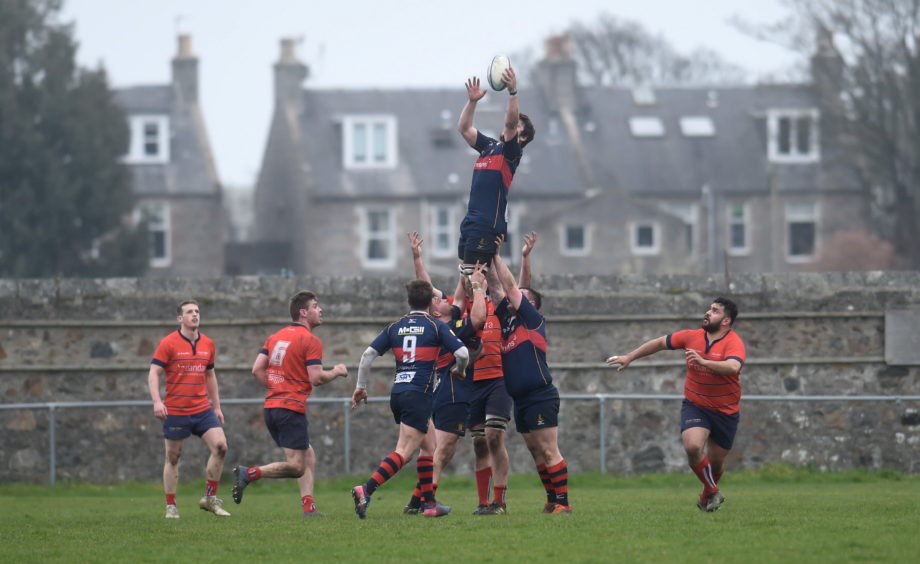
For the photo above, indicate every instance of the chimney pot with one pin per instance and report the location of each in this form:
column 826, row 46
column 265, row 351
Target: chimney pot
column 185, row 46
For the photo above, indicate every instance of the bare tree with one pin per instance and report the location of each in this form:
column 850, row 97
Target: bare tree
column 866, row 71
column 614, row 52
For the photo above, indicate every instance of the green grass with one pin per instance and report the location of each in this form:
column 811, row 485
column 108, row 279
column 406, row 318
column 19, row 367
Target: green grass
column 774, row 515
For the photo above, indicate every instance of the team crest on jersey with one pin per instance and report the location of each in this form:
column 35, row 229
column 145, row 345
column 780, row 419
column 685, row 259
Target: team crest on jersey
column 540, row 420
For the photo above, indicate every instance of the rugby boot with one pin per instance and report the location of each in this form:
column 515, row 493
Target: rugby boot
column 561, row 508
column 362, row 500
column 213, row 504
column 241, row 482
column 172, row 512
column 436, row 510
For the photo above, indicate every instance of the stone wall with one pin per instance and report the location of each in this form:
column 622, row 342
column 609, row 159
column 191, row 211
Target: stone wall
column 806, row 335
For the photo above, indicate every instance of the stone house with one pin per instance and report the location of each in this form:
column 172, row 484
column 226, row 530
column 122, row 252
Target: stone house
column 175, row 179
column 652, row 181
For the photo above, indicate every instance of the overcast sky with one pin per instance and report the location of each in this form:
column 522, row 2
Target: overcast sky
column 368, row 43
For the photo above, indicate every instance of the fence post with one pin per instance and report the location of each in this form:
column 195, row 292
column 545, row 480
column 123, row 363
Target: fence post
column 52, row 449
column 602, row 432
column 347, row 410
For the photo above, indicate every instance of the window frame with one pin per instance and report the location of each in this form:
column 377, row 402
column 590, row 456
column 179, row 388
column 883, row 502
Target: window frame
column 655, row 248
column 369, row 121
column 794, row 155
column 449, row 230
column 138, row 140
column 792, row 216
column 388, row 237
column 164, row 225
column 565, row 249
column 731, row 220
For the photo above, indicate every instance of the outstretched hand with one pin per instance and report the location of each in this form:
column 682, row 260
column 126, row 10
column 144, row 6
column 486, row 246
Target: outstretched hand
column 359, row 395
column 622, row 360
column 473, row 89
column 499, row 241
column 415, row 243
column 530, row 239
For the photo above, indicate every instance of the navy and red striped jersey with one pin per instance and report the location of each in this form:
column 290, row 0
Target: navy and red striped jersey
column 186, row 364
column 702, row 386
column 290, row 352
column 416, row 340
column 492, row 175
column 449, row 389
column 523, row 349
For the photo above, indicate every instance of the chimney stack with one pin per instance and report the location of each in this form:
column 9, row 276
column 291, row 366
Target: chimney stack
column 185, row 71
column 556, row 74
column 289, row 75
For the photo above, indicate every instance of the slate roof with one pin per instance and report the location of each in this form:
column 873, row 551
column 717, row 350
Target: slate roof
column 734, row 160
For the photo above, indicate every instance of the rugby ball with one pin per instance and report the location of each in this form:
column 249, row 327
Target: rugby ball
column 496, row 68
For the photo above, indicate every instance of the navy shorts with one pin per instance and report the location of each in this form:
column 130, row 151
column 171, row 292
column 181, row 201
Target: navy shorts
column 452, row 418
column 179, row 427
column 490, row 398
column 288, row 428
column 537, row 411
column 722, row 427
column 477, row 242
column 412, row 408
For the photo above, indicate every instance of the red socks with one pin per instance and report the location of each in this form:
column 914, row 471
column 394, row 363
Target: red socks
column 703, row 471
column 483, row 484
column 210, row 489
column 170, row 499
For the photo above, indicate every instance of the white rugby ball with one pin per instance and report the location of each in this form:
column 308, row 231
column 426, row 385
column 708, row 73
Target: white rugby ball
column 496, row 68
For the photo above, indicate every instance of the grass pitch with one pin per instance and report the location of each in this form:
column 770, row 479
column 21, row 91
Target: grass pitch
column 775, row 515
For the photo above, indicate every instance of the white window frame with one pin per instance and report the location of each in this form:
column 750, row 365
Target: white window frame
column 161, row 210
column 798, row 216
column 388, row 122
column 137, row 125
column 388, row 237
column 448, row 230
column 794, row 156
column 655, row 248
column 745, row 221
column 689, row 214
column 566, row 249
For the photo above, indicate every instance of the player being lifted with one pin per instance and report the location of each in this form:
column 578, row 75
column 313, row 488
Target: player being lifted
column 492, row 173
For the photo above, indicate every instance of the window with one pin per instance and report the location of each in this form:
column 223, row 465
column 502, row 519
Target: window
column 793, row 136
column 156, row 214
column 511, row 249
column 697, row 126
column 149, row 140
column 644, row 238
column 647, row 126
column 369, row 142
column 801, row 230
column 378, row 231
column 443, row 234
column 739, row 216
column 575, row 240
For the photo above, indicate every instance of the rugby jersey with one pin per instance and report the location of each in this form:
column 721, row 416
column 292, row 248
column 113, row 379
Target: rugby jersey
column 449, row 389
column 492, row 175
column 416, row 340
column 523, row 349
column 186, row 363
column 702, row 386
column 489, row 364
column 290, row 351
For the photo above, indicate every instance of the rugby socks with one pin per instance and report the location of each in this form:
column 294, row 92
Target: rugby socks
column 210, row 489
column 388, row 468
column 559, row 475
column 416, row 499
column 308, row 504
column 703, row 471
column 425, row 468
column 499, row 495
column 253, row 474
column 716, row 478
column 547, row 483
column 170, row 499
column 483, row 484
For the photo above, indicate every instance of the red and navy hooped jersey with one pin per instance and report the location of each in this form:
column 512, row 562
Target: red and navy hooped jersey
column 702, row 386
column 291, row 351
column 523, row 349
column 186, row 364
column 416, row 340
column 492, row 175
column 449, row 389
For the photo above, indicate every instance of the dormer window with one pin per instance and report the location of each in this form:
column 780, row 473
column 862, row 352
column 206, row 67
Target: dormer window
column 793, row 136
column 149, row 139
column 369, row 142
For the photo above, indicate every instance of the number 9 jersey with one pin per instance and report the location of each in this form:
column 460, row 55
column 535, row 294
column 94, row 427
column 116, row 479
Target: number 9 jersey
column 416, row 339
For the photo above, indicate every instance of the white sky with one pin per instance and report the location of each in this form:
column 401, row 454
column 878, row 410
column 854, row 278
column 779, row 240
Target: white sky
column 368, row 43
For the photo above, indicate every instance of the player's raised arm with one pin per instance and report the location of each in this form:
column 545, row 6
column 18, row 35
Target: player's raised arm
column 513, row 110
column 645, row 349
column 530, row 240
column 465, row 125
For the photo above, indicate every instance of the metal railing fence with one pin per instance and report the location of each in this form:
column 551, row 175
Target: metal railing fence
column 345, row 402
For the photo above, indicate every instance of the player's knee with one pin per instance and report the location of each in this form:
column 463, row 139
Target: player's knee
column 220, row 449
column 172, row 457
column 496, row 423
